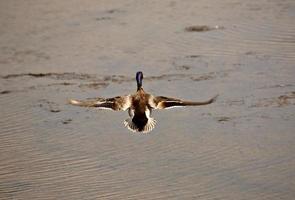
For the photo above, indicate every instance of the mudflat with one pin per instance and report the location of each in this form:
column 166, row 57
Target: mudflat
column 240, row 147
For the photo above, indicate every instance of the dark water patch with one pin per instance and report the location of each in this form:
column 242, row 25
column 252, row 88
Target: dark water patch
column 43, row 86
column 167, row 77
column 102, row 18
column 67, row 121
column 192, row 62
column 193, row 77
column 49, row 106
column 112, row 11
column 108, row 14
column 110, row 78
column 202, row 28
column 35, row 82
column 193, row 56
column 117, row 78
column 223, row 119
column 250, row 53
column 58, row 76
column 204, row 77
column 182, row 67
column 280, row 101
column 276, row 86
column 61, row 84
column 94, row 85
column 5, row 92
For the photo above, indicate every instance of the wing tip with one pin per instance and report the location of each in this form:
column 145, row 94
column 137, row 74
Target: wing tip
column 74, row 102
column 214, row 98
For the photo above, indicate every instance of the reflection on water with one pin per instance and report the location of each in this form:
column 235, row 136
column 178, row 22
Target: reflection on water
column 241, row 147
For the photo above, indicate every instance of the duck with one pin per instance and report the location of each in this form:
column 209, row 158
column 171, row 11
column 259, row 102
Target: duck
column 139, row 106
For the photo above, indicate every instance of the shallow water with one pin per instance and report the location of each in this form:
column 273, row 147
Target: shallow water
column 241, row 147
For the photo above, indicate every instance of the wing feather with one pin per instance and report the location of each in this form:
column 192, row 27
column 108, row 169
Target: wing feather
column 161, row 102
column 119, row 103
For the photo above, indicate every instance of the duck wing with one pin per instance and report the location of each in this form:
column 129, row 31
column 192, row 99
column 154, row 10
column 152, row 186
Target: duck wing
column 119, row 103
column 161, row 102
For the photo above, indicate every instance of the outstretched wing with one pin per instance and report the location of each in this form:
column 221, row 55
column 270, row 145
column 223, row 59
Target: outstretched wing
column 116, row 103
column 161, row 102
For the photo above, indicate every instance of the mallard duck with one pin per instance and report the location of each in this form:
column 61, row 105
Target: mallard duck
column 139, row 106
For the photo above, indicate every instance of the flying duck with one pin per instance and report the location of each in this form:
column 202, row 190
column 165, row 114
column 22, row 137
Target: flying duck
column 139, row 106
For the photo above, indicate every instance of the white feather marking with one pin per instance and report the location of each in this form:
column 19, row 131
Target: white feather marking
column 147, row 113
column 150, row 125
column 104, row 108
column 131, row 112
column 74, row 102
column 152, row 102
column 173, row 107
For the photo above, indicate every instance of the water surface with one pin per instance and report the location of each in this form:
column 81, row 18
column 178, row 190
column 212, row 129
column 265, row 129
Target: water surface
column 241, row 147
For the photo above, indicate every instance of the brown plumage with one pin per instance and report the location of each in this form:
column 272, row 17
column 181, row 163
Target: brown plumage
column 139, row 105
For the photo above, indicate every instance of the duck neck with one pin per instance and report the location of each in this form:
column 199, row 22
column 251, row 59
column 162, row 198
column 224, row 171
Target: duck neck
column 139, row 87
column 139, row 83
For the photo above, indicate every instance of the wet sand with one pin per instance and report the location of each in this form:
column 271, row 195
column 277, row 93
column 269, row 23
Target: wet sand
column 241, row 147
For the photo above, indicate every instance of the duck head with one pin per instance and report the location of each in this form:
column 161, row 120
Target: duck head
column 139, row 77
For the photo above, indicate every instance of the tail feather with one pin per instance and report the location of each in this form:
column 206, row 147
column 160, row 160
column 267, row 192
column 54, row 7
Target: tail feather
column 150, row 125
